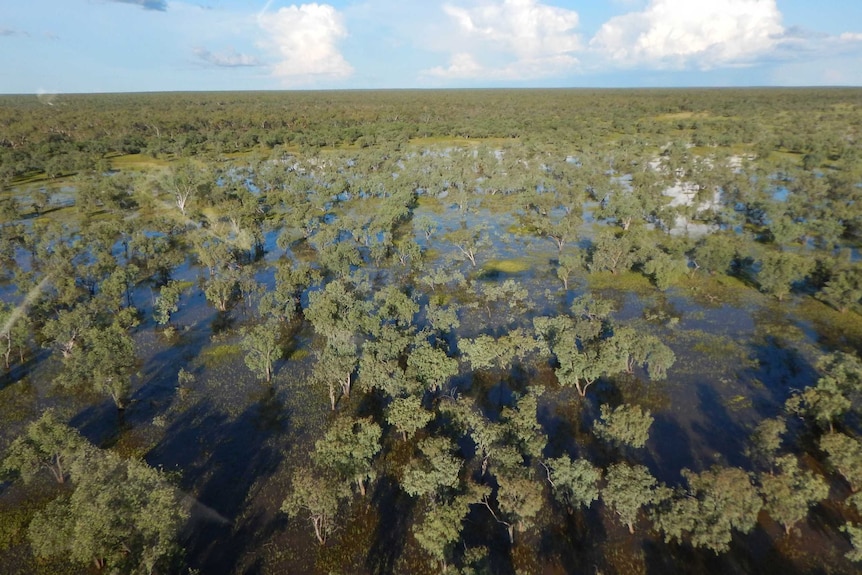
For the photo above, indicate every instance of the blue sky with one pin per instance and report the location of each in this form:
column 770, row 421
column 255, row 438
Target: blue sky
column 63, row 46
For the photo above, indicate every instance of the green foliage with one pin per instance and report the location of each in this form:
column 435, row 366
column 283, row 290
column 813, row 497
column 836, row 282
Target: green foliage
column 260, row 342
column 833, row 395
column 765, row 441
column 780, row 270
column 430, row 366
column 348, row 448
column 788, row 494
column 315, row 496
column 102, row 360
column 628, row 490
column 844, row 289
column 435, row 473
column 46, row 444
column 624, row 425
column 440, row 527
column 845, row 455
column 573, row 483
column 407, row 415
column 716, row 502
column 167, row 303
column 854, row 532
column 122, row 515
column 664, row 269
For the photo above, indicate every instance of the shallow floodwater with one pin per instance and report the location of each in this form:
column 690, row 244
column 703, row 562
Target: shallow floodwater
column 231, row 440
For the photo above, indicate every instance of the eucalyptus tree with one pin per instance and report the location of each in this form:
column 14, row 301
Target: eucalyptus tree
column 167, row 302
column 615, row 251
column 780, row 270
column 644, row 350
column 629, row 489
column 102, row 360
column 15, row 333
column 185, row 182
column 261, row 345
column 843, row 290
column 122, row 515
column 407, row 415
column 574, row 483
column 624, row 425
column 845, row 456
column 546, row 214
column 789, row 493
column 469, row 241
column 765, row 442
column 347, row 450
column 316, row 496
column 715, row 503
column 839, row 385
column 47, row 444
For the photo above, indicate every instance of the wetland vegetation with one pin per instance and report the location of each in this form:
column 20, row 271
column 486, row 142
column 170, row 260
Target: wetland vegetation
column 493, row 331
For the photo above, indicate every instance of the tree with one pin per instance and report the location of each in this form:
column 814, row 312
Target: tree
column 765, row 441
column 15, row 329
column 845, row 455
column 168, row 301
column 624, row 425
column 788, row 494
column 469, row 241
column 568, row 263
column 854, row 531
column 46, row 444
column 434, row 474
column 430, row 366
column 440, row 527
column 348, row 448
column 664, row 269
column 628, row 489
column 184, row 182
column 573, row 483
column 715, row 252
column 844, row 289
column 260, row 343
column 104, row 363
column 407, row 415
column 122, row 515
column 519, row 500
column 780, row 270
column 836, row 389
column 317, row 497
column 716, row 502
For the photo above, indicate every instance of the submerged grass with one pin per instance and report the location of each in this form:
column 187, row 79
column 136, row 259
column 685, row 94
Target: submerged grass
column 220, row 354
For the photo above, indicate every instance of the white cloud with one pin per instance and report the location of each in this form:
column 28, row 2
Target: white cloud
column 305, row 41
column 510, row 39
column 229, row 59
column 851, row 37
column 687, row 33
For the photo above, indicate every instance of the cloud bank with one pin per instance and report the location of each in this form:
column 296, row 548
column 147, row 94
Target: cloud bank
column 677, row 34
column 510, row 39
column 304, row 40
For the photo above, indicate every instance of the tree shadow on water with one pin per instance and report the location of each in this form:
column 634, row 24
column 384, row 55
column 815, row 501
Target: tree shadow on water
column 720, row 434
column 223, row 461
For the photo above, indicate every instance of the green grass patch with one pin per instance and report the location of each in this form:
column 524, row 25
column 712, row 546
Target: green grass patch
column 623, row 281
column 139, row 162
column 838, row 329
column 220, row 354
column 507, row 266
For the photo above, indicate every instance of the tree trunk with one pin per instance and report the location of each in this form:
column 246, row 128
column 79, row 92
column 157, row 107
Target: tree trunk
column 318, row 532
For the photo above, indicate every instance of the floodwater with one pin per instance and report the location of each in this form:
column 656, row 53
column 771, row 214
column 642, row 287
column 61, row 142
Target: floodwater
column 231, row 441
